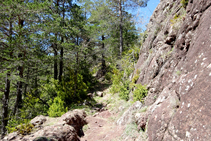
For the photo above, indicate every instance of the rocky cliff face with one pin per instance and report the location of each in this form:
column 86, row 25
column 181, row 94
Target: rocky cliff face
column 175, row 64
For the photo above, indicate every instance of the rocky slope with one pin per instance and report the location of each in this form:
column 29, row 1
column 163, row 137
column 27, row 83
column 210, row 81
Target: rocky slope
column 68, row 127
column 175, row 64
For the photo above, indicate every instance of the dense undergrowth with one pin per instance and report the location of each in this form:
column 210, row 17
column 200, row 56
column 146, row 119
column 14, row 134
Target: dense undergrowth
column 123, row 79
column 53, row 99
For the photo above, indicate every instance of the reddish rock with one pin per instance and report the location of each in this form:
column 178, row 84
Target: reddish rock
column 141, row 120
column 128, row 115
column 38, row 120
column 68, row 127
column 179, row 77
column 76, row 119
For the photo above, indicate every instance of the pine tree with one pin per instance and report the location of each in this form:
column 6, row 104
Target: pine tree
column 15, row 30
column 119, row 6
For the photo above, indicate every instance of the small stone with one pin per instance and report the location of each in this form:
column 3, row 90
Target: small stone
column 95, row 114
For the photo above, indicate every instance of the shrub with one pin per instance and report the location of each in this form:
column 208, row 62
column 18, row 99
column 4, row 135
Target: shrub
column 57, row 108
column 22, row 128
column 184, row 3
column 140, row 92
column 25, row 129
column 121, row 77
column 124, row 90
column 136, row 76
column 73, row 89
column 116, row 80
column 33, row 106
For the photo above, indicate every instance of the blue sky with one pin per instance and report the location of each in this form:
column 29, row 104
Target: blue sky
column 144, row 14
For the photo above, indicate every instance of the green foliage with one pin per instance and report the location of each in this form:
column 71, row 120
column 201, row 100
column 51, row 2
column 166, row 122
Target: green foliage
column 108, row 75
column 178, row 73
column 22, row 126
column 143, row 37
column 124, row 90
column 35, row 53
column 54, row 96
column 184, row 3
column 25, row 129
column 136, row 76
column 73, row 89
column 33, row 106
column 57, row 107
column 11, row 125
column 178, row 18
column 120, row 79
column 139, row 93
column 120, row 82
column 116, row 80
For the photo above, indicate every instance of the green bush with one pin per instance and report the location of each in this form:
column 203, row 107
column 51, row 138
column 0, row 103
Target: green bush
column 25, row 129
column 140, row 92
column 57, row 108
column 121, row 77
column 116, row 80
column 22, row 126
column 184, row 3
column 124, row 90
column 33, row 106
column 73, row 90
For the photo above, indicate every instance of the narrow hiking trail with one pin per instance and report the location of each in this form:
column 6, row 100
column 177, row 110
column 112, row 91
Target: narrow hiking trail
column 101, row 127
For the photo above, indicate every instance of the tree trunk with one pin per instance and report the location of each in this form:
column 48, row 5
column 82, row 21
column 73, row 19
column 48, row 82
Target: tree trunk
column 55, row 48
column 76, row 76
column 18, row 103
column 120, row 29
column 76, row 70
column 27, row 82
column 62, row 49
column 61, row 63
column 103, row 67
column 36, row 86
column 5, row 100
column 5, row 105
column 55, row 63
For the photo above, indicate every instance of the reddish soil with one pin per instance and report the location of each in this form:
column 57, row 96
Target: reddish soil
column 101, row 127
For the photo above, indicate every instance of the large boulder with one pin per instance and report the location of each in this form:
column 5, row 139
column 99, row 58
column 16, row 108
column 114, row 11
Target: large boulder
column 38, row 120
column 68, row 127
column 76, row 119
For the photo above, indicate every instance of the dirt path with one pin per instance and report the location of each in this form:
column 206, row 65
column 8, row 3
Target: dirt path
column 101, row 127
